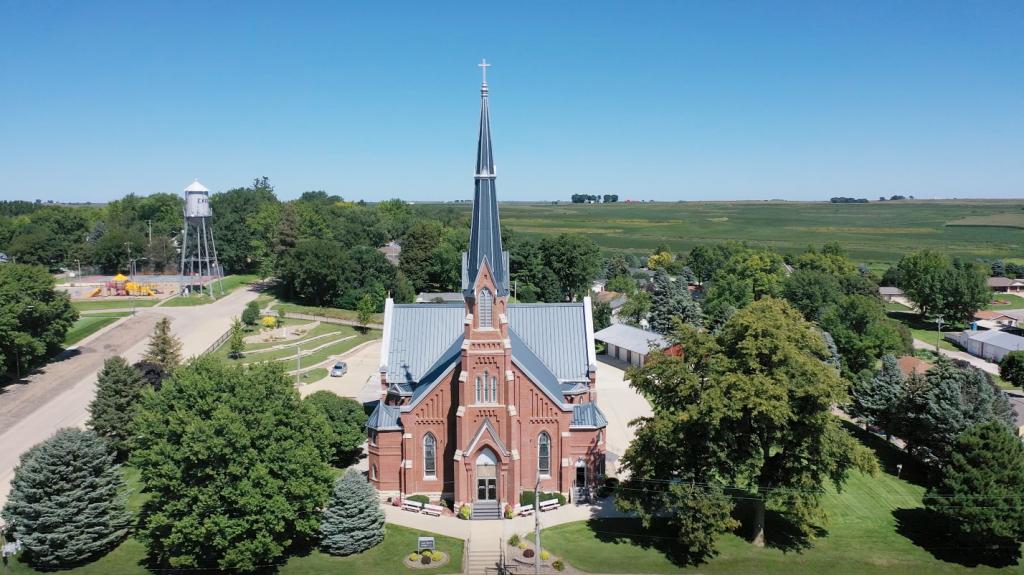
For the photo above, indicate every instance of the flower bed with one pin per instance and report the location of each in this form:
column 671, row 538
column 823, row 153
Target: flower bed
column 426, row 559
column 524, row 553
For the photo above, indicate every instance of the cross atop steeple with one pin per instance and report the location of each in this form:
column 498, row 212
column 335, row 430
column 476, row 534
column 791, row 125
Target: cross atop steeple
column 484, row 66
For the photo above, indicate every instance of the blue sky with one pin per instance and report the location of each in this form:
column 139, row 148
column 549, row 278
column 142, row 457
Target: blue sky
column 666, row 101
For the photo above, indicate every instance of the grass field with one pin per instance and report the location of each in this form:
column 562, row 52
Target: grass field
column 100, row 304
column 90, row 324
column 873, row 232
column 1012, row 302
column 230, row 284
column 331, row 312
column 315, row 374
column 876, row 526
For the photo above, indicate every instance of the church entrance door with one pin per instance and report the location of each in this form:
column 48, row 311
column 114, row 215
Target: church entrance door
column 486, row 476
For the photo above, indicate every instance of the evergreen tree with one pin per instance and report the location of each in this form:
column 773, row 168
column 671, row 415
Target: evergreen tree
column 235, row 463
column 671, row 301
column 353, row 521
column 119, row 389
column 153, row 373
column 236, row 343
column 879, row 399
column 348, row 422
column 251, row 313
column 164, row 348
column 980, row 491
column 67, row 500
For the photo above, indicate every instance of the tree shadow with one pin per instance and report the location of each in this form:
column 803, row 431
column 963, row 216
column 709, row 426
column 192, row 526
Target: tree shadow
column 632, row 532
column 891, row 458
column 931, row 532
column 779, row 532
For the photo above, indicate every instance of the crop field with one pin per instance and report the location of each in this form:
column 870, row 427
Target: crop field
column 872, row 232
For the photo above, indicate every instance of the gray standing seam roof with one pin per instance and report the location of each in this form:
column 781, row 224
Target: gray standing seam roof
column 419, row 335
column 587, row 415
column 385, row 417
column 999, row 338
column 632, row 338
column 535, row 369
column 557, row 334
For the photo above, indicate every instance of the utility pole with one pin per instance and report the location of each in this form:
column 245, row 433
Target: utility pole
column 536, row 523
column 938, row 328
column 150, row 224
column 298, row 362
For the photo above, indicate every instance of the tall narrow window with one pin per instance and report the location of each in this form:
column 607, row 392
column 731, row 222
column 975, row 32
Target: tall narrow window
column 494, row 390
column 484, row 308
column 479, row 389
column 544, row 454
column 373, row 472
column 429, row 453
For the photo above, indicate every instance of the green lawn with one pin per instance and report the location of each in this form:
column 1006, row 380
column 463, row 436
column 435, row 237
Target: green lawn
column 289, row 349
column 315, row 374
column 229, row 284
column 332, row 312
column 97, row 304
column 324, row 328
column 1014, row 302
column 895, row 306
column 90, row 324
column 383, row 559
column 876, row 526
column 924, row 330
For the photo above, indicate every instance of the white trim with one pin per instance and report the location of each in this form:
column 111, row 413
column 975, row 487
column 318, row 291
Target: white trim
column 385, row 346
column 588, row 319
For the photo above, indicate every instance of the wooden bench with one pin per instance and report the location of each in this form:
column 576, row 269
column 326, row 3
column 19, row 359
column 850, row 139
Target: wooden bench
column 435, row 510
column 524, row 510
column 414, row 506
column 548, row 504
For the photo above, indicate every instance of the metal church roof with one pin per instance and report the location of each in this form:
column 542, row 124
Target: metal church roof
column 535, row 369
column 385, row 417
column 419, row 334
column 557, row 334
column 485, row 235
column 587, row 415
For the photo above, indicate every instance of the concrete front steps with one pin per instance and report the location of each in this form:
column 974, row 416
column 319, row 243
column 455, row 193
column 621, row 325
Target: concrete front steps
column 486, row 510
column 484, row 554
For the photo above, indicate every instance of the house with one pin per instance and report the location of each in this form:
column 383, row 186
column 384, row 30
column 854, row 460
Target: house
column 997, row 319
column 991, row 345
column 890, row 293
column 481, row 399
column 632, row 344
column 910, row 365
column 1005, row 285
column 392, row 251
column 615, row 301
column 439, row 297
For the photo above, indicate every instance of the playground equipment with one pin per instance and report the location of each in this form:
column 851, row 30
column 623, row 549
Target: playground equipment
column 120, row 285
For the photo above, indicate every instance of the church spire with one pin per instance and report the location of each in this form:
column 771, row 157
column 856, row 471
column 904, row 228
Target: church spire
column 485, row 235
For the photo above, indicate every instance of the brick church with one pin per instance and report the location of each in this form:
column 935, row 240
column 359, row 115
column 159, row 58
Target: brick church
column 481, row 397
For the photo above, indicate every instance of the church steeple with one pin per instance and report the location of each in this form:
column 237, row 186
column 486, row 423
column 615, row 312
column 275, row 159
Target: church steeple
column 485, row 235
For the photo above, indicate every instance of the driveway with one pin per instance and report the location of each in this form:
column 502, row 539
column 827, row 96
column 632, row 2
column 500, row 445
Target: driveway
column 977, row 362
column 362, row 382
column 620, row 404
column 59, row 394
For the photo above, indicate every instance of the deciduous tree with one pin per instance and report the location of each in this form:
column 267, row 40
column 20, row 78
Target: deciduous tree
column 236, row 466
column 34, row 317
column 348, row 422
column 1011, row 368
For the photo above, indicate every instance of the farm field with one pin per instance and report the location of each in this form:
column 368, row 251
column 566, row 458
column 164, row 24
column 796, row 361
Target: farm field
column 872, row 232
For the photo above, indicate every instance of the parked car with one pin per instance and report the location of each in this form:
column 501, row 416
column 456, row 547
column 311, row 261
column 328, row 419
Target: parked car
column 339, row 369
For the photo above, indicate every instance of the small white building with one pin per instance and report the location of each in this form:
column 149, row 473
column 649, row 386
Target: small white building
column 630, row 344
column 890, row 293
column 991, row 344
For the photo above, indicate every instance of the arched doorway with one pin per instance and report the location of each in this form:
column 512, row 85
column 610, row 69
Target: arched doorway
column 486, row 475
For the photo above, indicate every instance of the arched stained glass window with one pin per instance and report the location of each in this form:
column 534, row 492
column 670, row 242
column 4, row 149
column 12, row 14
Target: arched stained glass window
column 485, row 307
column 544, row 453
column 429, row 455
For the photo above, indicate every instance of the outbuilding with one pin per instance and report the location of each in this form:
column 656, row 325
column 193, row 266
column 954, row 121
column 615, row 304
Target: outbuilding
column 630, row 344
column 988, row 344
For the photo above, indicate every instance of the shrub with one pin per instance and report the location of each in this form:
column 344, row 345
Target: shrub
column 508, row 511
column 611, row 482
column 558, row 565
column 418, row 499
column 514, row 540
column 425, row 559
column 527, row 553
column 545, row 555
column 522, row 545
column 414, row 557
column 464, row 511
column 437, row 555
column 526, row 497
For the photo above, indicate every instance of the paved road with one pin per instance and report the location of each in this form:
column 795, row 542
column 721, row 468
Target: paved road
column 58, row 396
column 977, row 362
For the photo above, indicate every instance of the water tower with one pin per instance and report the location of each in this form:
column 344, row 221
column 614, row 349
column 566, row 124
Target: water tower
column 199, row 265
